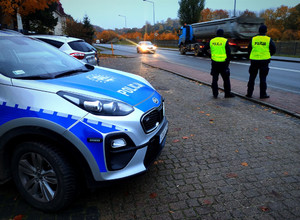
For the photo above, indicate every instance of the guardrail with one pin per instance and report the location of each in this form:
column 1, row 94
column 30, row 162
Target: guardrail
column 291, row 48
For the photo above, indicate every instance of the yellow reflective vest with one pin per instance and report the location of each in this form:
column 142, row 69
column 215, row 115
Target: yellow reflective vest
column 218, row 50
column 260, row 48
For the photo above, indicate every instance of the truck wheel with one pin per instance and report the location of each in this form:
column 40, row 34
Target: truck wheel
column 182, row 50
column 43, row 176
column 197, row 50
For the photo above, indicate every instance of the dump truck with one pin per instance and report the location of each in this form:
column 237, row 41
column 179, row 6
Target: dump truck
column 238, row 31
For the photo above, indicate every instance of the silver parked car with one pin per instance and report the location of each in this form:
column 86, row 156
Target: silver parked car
column 75, row 47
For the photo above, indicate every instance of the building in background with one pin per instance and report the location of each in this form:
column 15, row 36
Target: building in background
column 61, row 16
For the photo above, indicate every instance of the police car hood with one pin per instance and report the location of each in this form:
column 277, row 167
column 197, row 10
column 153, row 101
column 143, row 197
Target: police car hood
column 102, row 82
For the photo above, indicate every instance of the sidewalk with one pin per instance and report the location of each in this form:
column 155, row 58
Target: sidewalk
column 284, row 101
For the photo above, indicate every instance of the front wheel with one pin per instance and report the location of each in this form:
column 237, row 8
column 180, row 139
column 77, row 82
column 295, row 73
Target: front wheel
column 182, row 49
column 43, row 176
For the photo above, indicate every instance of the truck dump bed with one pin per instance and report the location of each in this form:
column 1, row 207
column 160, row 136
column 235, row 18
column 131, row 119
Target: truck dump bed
column 235, row 28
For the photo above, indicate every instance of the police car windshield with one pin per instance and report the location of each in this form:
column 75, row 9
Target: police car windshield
column 26, row 58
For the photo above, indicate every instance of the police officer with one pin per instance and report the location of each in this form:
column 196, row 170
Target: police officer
column 261, row 48
column 220, row 58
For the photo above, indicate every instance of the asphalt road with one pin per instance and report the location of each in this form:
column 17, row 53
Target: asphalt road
column 283, row 75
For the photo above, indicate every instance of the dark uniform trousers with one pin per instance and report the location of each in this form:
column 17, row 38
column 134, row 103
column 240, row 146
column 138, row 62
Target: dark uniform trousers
column 263, row 67
column 216, row 69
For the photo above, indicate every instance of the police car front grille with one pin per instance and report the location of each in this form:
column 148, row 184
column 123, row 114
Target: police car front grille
column 152, row 119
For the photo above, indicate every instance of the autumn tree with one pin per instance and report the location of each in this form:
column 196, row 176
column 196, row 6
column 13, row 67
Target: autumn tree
column 274, row 33
column 275, row 18
column 248, row 13
column 190, row 11
column 41, row 21
column 106, row 35
column 293, row 19
column 80, row 30
column 208, row 14
column 283, row 23
column 10, row 8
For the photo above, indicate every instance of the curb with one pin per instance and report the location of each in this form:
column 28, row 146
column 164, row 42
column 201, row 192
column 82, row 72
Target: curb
column 258, row 101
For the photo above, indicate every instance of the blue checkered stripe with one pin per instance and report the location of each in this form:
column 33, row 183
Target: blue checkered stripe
column 93, row 128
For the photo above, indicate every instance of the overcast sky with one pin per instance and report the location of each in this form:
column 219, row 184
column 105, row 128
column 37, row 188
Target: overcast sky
column 106, row 13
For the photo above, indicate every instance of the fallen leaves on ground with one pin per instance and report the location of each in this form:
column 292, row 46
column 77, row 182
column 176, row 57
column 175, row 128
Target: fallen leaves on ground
column 245, row 164
column 264, row 209
column 176, row 140
column 268, row 137
column 207, row 202
column 185, row 137
column 153, row 195
column 231, row 175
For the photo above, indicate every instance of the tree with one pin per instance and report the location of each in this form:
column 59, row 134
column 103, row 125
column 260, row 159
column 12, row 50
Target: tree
column 289, row 35
column 41, row 21
column 275, row 18
column 106, row 36
column 209, row 14
column 190, row 11
column 88, row 29
column 206, row 14
column 274, row 33
column 10, row 8
column 248, row 13
column 293, row 19
column 80, row 30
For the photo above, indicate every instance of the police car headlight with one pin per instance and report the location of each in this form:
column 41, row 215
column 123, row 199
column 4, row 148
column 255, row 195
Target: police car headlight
column 98, row 106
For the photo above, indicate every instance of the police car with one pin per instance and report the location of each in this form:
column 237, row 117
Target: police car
column 64, row 123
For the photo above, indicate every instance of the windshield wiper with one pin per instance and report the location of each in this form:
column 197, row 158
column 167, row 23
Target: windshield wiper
column 34, row 77
column 69, row 72
column 81, row 70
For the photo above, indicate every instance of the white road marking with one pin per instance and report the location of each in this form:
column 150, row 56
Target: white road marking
column 277, row 68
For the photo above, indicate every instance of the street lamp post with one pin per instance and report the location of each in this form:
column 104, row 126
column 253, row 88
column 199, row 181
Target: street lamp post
column 125, row 20
column 234, row 8
column 153, row 10
column 153, row 16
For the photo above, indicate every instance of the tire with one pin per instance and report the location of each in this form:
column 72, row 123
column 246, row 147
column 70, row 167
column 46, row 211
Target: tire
column 43, row 176
column 182, row 50
column 197, row 50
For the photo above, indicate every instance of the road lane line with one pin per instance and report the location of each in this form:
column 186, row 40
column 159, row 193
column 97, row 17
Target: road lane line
column 277, row 68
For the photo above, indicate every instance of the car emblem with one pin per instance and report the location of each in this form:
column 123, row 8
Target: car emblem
column 155, row 100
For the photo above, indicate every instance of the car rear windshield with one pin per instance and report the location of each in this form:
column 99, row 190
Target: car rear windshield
column 80, row 45
column 23, row 57
column 54, row 43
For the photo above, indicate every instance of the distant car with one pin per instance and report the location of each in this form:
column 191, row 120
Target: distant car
column 75, row 47
column 145, row 47
column 65, row 124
